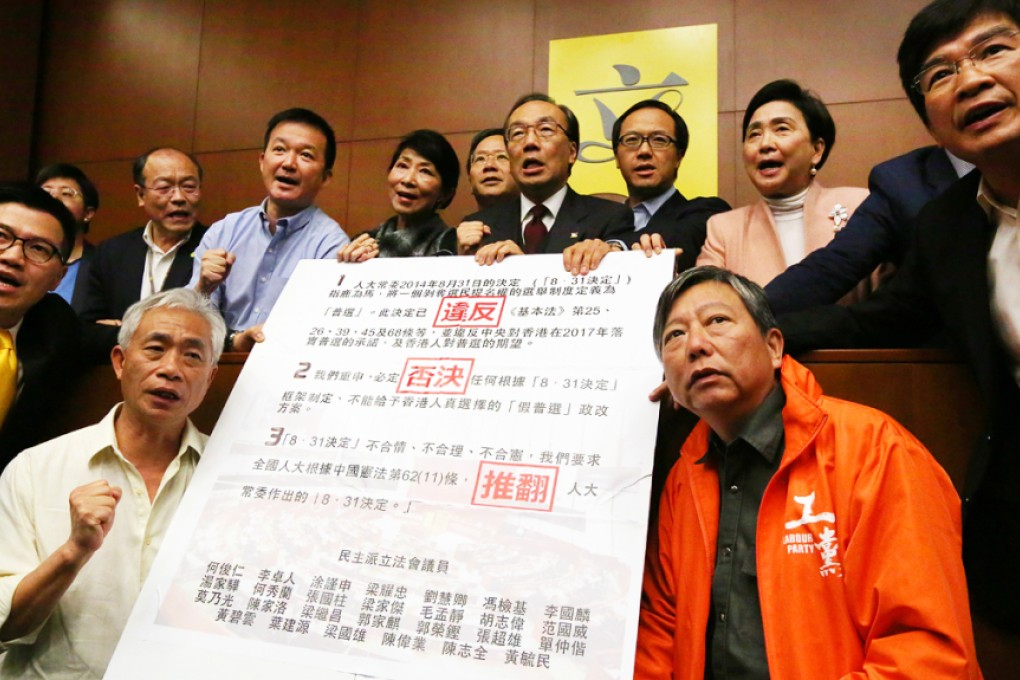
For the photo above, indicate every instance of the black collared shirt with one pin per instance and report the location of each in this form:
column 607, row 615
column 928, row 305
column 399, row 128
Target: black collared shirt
column 735, row 641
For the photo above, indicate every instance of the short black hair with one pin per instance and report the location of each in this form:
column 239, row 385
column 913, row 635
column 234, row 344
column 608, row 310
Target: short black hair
column 819, row 122
column 434, row 148
column 138, row 165
column 573, row 127
column 34, row 198
column 477, row 139
column 937, row 23
column 749, row 292
column 311, row 119
column 680, row 132
column 89, row 193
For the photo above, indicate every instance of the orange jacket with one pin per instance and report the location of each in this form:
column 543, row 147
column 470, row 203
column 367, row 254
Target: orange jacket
column 864, row 580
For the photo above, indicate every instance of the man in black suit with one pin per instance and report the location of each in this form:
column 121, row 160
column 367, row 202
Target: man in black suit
column 151, row 258
column 36, row 236
column 878, row 232
column 550, row 217
column 649, row 141
column 960, row 66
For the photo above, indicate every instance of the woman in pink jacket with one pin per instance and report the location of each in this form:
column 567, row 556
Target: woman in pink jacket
column 788, row 134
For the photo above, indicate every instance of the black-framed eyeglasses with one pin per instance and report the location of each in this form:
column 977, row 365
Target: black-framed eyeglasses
column 995, row 51
column 37, row 250
column 167, row 188
column 545, row 129
column 656, row 140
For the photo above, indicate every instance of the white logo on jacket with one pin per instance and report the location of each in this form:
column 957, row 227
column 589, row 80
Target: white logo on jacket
column 828, row 543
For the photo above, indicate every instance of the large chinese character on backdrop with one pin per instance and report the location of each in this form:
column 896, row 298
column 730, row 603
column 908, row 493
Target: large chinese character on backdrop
column 599, row 77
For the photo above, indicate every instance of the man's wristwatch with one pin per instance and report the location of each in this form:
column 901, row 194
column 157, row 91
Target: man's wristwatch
column 228, row 343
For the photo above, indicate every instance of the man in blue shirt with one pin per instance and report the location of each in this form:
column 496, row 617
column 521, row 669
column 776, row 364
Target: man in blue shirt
column 245, row 259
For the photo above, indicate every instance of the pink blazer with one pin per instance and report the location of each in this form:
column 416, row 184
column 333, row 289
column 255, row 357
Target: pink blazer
column 745, row 240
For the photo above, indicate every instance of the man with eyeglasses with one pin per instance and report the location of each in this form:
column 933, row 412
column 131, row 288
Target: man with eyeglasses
column 960, row 66
column 649, row 142
column 152, row 258
column 38, row 332
column 488, row 168
column 542, row 139
column 72, row 187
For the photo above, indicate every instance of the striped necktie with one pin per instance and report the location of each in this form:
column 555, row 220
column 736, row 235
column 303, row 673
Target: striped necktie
column 8, row 372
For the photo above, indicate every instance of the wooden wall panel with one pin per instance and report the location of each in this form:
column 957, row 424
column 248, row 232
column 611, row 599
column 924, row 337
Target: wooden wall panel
column 731, row 170
column 844, row 50
column 869, row 133
column 259, row 58
column 450, row 65
column 231, row 182
column 21, row 26
column 118, row 77
column 118, row 208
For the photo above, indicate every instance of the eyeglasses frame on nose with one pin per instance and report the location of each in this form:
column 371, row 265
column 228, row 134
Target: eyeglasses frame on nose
column 28, row 246
column 544, row 129
column 974, row 56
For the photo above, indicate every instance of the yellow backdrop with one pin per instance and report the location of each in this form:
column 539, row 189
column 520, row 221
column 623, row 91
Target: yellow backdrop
column 599, row 77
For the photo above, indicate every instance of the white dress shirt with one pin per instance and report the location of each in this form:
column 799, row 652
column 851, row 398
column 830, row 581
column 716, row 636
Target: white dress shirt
column 80, row 635
column 1004, row 272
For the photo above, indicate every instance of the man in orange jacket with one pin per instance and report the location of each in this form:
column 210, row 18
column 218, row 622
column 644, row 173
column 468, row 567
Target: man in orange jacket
column 800, row 536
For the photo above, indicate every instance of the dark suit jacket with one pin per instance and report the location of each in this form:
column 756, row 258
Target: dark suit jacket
column 580, row 218
column 682, row 223
column 47, row 346
column 115, row 281
column 879, row 231
column 81, row 283
column 943, row 285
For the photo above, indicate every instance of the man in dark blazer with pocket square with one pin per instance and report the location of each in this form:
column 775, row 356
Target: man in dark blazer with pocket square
column 150, row 259
column 549, row 217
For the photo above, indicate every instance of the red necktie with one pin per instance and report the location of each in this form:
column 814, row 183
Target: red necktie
column 535, row 231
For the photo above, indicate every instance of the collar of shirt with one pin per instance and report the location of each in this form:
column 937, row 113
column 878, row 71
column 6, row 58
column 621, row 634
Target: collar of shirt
column 552, row 207
column 191, row 442
column 961, row 166
column 287, row 225
column 998, row 213
column 763, row 432
column 652, row 206
column 13, row 330
column 151, row 242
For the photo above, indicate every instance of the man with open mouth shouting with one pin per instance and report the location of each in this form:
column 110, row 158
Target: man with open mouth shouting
column 38, row 331
column 245, row 259
column 542, row 138
column 69, row 577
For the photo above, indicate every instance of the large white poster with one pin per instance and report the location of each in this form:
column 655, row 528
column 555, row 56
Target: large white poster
column 429, row 469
